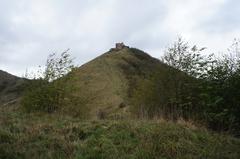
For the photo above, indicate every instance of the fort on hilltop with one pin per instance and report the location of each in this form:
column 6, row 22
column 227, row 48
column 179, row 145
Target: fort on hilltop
column 119, row 46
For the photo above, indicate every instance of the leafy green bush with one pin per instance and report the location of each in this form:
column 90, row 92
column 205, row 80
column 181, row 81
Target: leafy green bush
column 216, row 88
column 48, row 91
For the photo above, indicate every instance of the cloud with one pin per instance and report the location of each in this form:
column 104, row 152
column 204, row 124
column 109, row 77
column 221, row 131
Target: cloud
column 225, row 19
column 30, row 30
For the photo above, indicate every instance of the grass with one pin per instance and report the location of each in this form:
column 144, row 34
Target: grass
column 41, row 136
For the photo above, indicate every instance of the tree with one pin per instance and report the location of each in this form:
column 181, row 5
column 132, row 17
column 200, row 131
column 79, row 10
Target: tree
column 222, row 94
column 48, row 91
column 186, row 58
column 188, row 65
column 57, row 67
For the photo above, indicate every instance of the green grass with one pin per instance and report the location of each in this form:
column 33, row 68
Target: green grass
column 39, row 136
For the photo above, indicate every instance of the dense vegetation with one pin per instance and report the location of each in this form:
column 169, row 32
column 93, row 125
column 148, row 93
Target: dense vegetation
column 217, row 92
column 207, row 89
column 47, row 91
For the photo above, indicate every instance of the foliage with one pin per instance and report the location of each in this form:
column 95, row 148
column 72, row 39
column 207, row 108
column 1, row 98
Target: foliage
column 215, row 87
column 57, row 67
column 48, row 91
column 186, row 58
column 221, row 91
column 172, row 92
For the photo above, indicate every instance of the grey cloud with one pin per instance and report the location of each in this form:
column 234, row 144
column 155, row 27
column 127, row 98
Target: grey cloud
column 225, row 19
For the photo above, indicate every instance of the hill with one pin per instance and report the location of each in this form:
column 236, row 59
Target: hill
column 10, row 88
column 106, row 84
column 110, row 86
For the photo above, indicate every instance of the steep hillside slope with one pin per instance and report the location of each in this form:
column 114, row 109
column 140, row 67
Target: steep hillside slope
column 10, row 88
column 105, row 84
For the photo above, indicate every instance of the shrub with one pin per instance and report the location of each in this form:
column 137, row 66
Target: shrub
column 48, row 91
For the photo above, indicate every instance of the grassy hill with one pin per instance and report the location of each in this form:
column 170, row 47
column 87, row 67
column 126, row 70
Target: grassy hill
column 10, row 88
column 106, row 84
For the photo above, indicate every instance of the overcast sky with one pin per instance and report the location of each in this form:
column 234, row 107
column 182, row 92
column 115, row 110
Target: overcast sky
column 32, row 29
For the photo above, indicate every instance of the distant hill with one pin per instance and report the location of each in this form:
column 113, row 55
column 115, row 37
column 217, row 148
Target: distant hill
column 10, row 88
